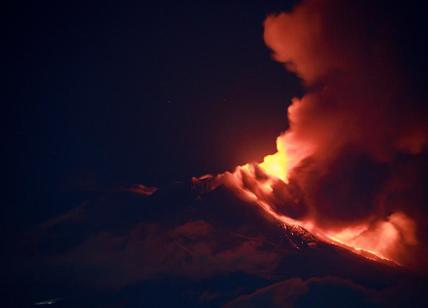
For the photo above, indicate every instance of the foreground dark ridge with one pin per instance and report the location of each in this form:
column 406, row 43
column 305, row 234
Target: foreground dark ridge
column 188, row 244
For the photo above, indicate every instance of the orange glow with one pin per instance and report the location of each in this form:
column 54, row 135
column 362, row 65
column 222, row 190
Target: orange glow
column 382, row 238
column 317, row 179
column 276, row 164
column 377, row 239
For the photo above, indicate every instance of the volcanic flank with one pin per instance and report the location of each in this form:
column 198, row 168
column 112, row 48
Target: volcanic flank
column 199, row 245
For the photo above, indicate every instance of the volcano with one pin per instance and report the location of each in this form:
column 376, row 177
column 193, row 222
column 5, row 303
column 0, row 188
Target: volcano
column 309, row 120
column 192, row 243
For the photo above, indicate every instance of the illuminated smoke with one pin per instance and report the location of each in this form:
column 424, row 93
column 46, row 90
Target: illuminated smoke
column 334, row 163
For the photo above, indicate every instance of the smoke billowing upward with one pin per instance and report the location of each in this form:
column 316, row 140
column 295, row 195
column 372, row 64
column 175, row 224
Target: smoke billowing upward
column 356, row 138
column 360, row 99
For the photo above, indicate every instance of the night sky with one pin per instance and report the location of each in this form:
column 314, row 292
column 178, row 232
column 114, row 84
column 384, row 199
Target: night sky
column 105, row 94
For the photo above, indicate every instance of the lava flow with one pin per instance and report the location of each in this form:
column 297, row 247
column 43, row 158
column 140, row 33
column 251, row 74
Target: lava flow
column 266, row 184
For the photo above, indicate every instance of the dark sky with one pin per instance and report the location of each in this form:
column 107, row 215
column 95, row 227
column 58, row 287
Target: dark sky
column 109, row 93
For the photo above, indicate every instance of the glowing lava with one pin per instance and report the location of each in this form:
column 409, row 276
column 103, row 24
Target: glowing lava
column 277, row 164
column 374, row 238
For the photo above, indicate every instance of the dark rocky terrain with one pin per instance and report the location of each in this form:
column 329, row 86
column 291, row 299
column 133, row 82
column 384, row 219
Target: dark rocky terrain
column 185, row 245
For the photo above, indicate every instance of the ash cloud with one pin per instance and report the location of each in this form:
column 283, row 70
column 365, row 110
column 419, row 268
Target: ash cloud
column 363, row 116
column 346, row 51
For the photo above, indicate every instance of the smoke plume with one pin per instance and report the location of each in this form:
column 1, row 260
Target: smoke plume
column 360, row 126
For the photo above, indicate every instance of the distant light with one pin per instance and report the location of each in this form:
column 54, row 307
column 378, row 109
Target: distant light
column 49, row 301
